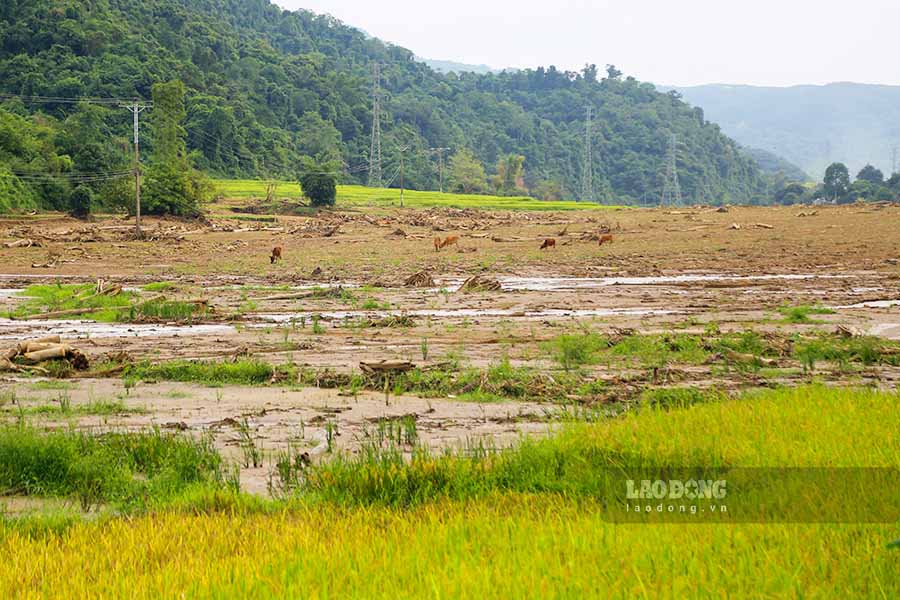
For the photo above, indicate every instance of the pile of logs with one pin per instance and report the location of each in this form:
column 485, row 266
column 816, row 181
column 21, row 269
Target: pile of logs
column 34, row 352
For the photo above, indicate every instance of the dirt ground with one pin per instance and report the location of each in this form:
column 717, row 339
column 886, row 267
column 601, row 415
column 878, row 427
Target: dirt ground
column 665, row 270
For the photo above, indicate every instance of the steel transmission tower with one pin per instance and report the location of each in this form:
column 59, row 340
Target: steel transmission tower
column 375, row 152
column 671, row 188
column 587, row 183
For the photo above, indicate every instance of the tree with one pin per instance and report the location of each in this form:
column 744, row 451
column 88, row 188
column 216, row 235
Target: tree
column 510, row 177
column 318, row 181
column 791, row 193
column 871, row 174
column 466, row 173
column 548, row 190
column 837, row 181
column 172, row 185
column 81, row 201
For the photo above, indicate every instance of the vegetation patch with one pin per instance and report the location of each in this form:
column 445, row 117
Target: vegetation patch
column 120, row 468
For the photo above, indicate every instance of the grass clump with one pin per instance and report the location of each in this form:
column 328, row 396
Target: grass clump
column 575, row 350
column 121, row 468
column 801, row 314
column 159, row 286
column 60, row 297
column 240, row 372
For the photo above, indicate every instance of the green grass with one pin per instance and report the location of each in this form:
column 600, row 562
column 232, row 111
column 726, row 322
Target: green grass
column 123, row 468
column 242, row 372
column 57, row 297
column 64, row 408
column 801, row 314
column 123, row 307
column 356, row 195
column 810, row 426
column 159, row 286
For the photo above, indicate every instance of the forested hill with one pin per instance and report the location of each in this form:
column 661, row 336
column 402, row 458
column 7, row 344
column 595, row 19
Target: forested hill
column 266, row 86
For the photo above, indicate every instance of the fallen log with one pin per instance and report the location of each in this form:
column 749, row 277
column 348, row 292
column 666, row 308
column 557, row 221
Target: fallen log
column 24, row 243
column 59, row 351
column 386, row 366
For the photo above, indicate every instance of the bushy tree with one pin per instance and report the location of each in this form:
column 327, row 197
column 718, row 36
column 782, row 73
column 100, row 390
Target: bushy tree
column 467, row 174
column 871, row 174
column 318, row 181
column 791, row 193
column 837, row 181
column 510, row 177
column 81, row 201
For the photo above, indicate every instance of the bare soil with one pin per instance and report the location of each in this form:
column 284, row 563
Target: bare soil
column 666, row 270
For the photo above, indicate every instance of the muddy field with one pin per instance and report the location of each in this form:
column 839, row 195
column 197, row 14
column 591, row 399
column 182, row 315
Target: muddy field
column 341, row 296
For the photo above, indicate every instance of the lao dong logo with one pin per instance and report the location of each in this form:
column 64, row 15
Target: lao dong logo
column 676, row 489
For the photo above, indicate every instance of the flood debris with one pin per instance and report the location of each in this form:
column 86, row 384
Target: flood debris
column 422, row 279
column 480, row 283
column 23, row 243
column 36, row 351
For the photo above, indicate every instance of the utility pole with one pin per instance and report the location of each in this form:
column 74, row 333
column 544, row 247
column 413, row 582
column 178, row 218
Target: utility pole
column 671, row 188
column 587, row 182
column 375, row 151
column 136, row 108
column 440, row 153
column 402, row 151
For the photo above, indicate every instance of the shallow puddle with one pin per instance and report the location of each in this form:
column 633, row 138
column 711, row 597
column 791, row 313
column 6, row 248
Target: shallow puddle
column 551, row 284
column 14, row 330
column 461, row 313
column 871, row 304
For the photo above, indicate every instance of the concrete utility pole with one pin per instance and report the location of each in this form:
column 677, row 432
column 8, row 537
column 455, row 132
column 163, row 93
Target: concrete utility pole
column 587, row 182
column 440, row 153
column 375, row 151
column 136, row 109
column 402, row 152
column 671, row 188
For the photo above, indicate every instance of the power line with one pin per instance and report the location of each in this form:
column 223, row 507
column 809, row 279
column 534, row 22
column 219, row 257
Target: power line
column 64, row 100
column 671, row 194
column 375, row 152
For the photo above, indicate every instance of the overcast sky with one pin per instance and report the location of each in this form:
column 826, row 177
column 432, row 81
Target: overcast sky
column 686, row 42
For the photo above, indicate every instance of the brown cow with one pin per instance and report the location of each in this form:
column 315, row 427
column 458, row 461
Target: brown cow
column 605, row 238
column 548, row 243
column 276, row 254
column 450, row 241
column 438, row 242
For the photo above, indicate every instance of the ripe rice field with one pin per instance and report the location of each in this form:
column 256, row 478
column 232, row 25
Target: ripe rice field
column 500, row 542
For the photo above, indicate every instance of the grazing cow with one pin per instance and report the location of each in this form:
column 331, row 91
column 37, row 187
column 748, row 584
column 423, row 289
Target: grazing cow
column 276, row 254
column 438, row 242
column 450, row 241
column 548, row 243
column 605, row 238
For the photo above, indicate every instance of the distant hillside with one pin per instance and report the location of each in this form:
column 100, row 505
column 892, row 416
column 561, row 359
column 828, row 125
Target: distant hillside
column 808, row 125
column 448, row 66
column 776, row 166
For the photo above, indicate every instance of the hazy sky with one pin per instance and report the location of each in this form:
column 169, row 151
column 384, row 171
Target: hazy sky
column 686, row 42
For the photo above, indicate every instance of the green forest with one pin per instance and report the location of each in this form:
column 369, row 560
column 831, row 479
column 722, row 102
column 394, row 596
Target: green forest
column 266, row 89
